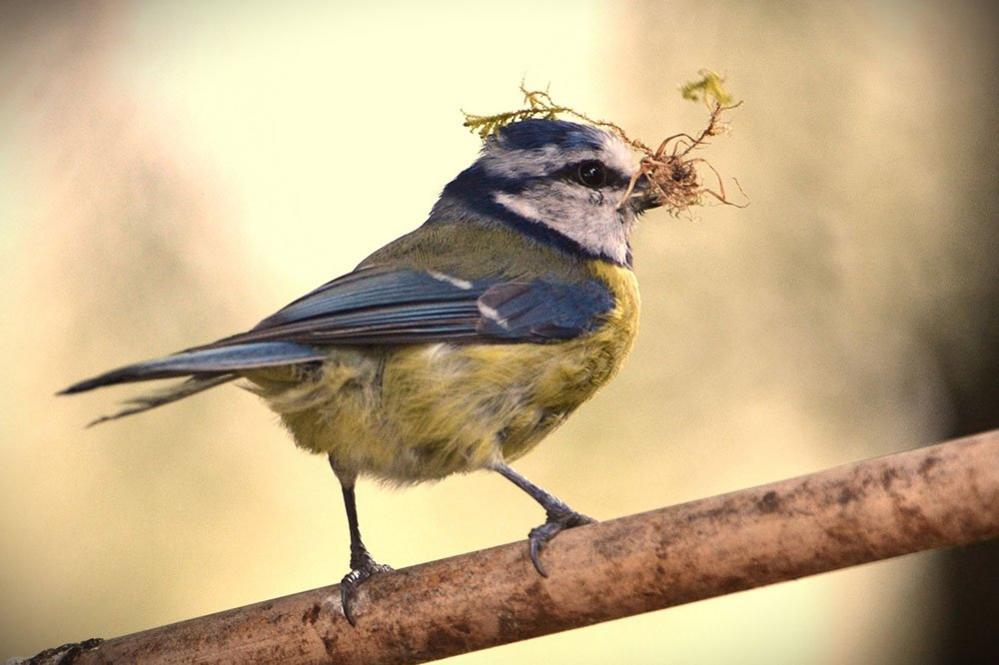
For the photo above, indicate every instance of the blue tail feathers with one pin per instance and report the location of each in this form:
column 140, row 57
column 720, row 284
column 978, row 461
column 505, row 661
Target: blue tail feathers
column 204, row 362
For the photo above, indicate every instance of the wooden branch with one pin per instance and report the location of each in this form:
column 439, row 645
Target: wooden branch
column 939, row 496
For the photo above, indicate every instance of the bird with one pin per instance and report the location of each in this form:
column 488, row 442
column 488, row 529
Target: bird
column 459, row 346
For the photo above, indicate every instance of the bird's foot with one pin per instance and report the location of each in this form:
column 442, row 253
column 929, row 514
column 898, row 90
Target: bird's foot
column 363, row 568
column 558, row 521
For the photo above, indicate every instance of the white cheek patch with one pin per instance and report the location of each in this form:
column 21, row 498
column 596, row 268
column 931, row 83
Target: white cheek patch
column 569, row 211
column 519, row 205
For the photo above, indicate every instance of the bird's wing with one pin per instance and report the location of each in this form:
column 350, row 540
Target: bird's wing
column 388, row 306
column 382, row 306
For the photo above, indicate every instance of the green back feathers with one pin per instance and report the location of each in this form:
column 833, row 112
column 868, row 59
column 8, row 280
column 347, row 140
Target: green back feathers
column 473, row 249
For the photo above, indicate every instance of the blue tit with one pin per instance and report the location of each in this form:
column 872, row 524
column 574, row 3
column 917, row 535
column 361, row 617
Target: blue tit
column 460, row 345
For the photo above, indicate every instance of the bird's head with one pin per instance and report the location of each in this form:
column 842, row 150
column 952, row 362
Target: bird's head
column 561, row 182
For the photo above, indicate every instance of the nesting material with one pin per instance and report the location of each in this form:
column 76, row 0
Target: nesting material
column 675, row 173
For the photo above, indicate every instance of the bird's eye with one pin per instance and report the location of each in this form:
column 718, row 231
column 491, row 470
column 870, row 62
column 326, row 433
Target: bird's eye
column 591, row 173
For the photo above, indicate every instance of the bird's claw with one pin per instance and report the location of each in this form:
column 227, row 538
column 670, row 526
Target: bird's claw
column 557, row 523
column 363, row 568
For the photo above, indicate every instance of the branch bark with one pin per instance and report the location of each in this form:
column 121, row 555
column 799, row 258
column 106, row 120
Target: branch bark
column 943, row 495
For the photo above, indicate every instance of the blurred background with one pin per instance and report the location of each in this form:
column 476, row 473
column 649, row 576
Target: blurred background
column 171, row 172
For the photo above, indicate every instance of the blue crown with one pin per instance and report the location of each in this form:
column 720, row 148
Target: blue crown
column 535, row 133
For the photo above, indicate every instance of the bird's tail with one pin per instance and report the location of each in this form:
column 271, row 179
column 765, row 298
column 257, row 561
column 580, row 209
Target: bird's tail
column 205, row 368
column 151, row 400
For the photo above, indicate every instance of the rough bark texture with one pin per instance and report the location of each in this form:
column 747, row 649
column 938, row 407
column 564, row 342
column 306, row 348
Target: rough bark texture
column 938, row 496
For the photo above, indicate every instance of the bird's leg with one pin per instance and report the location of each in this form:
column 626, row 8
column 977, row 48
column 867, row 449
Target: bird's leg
column 362, row 565
column 560, row 516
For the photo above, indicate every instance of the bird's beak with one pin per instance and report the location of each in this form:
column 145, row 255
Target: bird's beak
column 642, row 197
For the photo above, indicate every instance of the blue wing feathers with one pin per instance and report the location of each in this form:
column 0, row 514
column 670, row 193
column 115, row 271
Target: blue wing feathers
column 374, row 287
column 385, row 306
column 381, row 306
column 540, row 311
